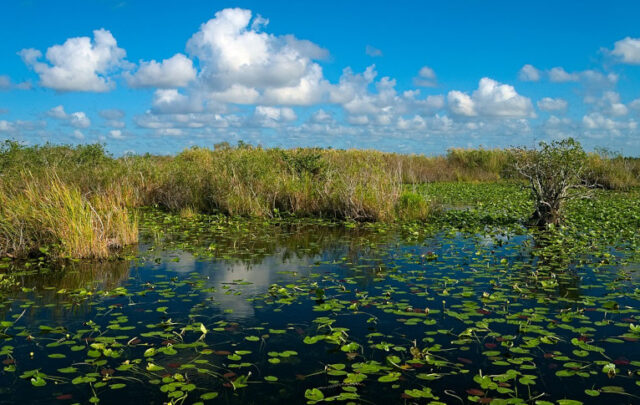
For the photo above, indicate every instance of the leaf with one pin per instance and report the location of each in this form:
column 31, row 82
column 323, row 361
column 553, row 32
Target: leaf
column 38, row 381
column 314, row 394
column 209, row 395
column 391, row 377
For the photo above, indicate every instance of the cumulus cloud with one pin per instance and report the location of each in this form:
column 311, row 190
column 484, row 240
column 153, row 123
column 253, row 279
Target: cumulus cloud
column 80, row 64
column 6, row 126
column 266, row 116
column 238, row 62
column 21, row 127
column 559, row 75
column 552, row 104
column 491, row 99
column 590, row 78
column 426, row 77
column 321, row 116
column 77, row 119
column 627, row 50
column 373, row 51
column 171, row 101
column 176, row 71
column 598, row 125
column 116, row 134
column 608, row 104
column 461, row 104
column 529, row 73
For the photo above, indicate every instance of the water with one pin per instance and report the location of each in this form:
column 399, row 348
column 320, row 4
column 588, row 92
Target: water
column 263, row 314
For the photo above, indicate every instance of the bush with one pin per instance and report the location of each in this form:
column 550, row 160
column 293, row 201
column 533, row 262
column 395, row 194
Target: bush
column 556, row 173
column 414, row 206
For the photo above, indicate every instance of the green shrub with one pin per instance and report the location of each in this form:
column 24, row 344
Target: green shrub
column 414, row 206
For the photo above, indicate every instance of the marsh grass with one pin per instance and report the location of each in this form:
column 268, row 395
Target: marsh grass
column 80, row 202
column 50, row 217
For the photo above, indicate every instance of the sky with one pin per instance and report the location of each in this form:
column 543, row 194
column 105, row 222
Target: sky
column 403, row 76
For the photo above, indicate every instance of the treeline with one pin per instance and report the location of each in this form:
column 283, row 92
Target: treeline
column 79, row 201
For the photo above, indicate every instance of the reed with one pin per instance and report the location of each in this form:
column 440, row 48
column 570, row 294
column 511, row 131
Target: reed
column 48, row 216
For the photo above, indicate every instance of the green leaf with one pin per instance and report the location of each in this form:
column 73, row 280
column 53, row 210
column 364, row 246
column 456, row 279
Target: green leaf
column 314, row 394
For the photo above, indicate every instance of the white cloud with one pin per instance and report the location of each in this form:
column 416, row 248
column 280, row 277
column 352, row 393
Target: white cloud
column 237, row 94
column 321, row 116
column 599, row 121
column 627, row 50
column 77, row 119
column 238, row 61
column 552, row 104
column 382, row 107
column 426, row 77
column 116, row 134
column 6, row 126
column 6, row 84
column 78, row 134
column 635, row 104
column 171, row 101
column 559, row 75
column 309, row 90
column 608, row 104
column 20, row 127
column 416, row 123
column 590, row 78
column 373, row 51
column 491, row 99
column 597, row 125
column 461, row 104
column 529, row 73
column 80, row 64
column 266, row 116
column 57, row 112
column 176, row 71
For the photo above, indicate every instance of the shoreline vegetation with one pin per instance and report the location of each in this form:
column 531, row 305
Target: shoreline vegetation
column 80, row 202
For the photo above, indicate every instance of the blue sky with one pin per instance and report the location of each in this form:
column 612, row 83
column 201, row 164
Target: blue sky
column 400, row 76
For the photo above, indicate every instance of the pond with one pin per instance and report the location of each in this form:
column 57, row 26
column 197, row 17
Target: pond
column 233, row 311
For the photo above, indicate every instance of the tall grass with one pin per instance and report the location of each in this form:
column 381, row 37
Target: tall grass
column 80, row 202
column 266, row 182
column 47, row 215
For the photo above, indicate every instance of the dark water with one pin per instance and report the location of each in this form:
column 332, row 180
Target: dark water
column 363, row 316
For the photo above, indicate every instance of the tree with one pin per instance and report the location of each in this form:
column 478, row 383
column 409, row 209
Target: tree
column 556, row 173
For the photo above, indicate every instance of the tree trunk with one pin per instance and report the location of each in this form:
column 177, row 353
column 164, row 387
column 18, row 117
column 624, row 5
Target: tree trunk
column 545, row 215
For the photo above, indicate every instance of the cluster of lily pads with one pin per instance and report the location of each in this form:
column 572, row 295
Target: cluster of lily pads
column 472, row 307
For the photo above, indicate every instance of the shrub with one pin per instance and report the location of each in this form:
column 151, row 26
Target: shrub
column 556, row 173
column 413, row 206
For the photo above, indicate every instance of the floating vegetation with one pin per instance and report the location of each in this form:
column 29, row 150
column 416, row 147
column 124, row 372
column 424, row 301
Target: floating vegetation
column 471, row 307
